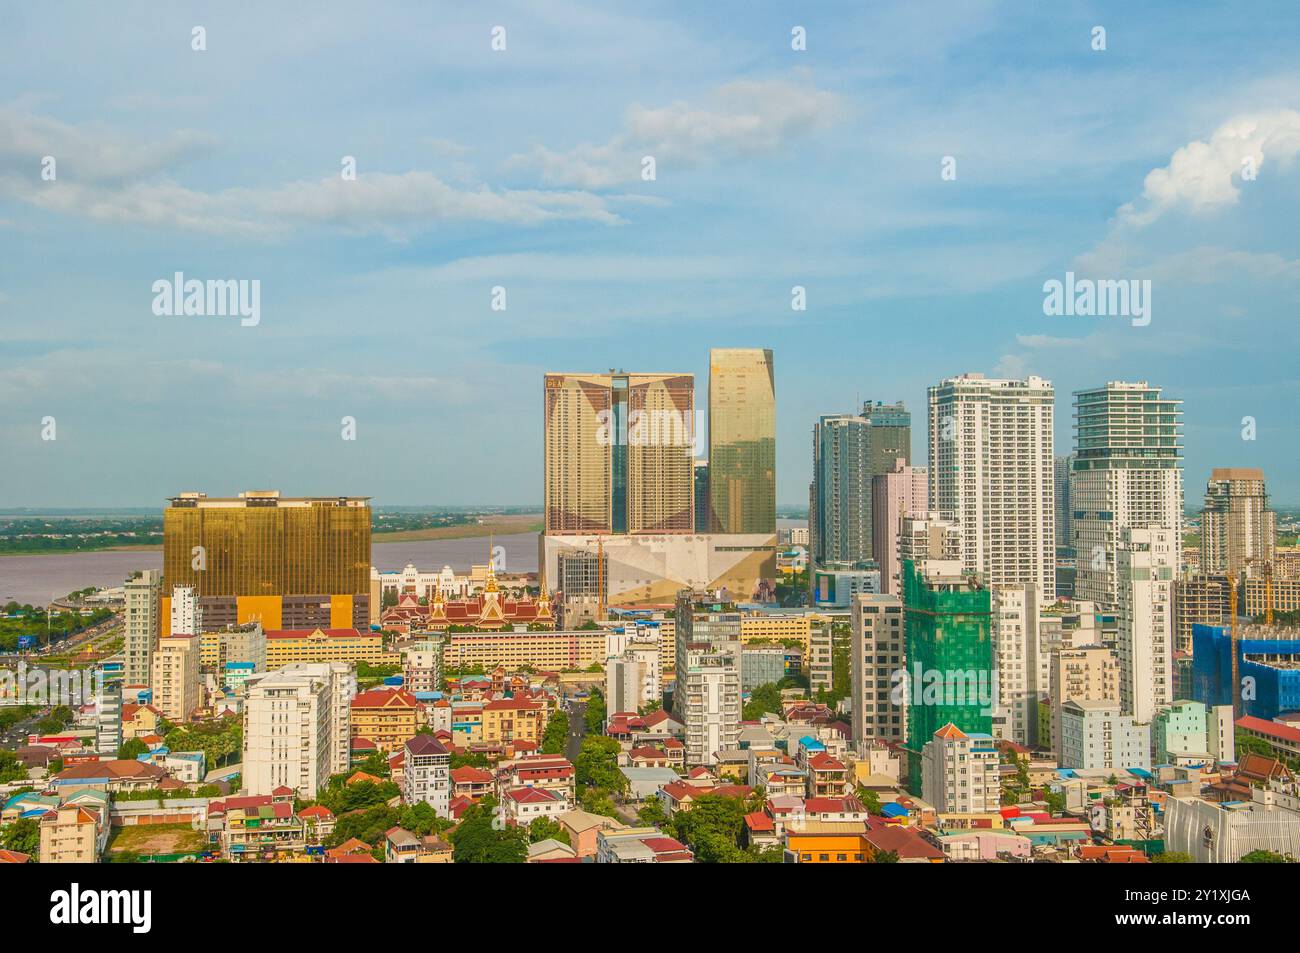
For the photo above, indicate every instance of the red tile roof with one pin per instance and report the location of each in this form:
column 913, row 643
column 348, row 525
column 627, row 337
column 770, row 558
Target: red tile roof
column 1274, row 729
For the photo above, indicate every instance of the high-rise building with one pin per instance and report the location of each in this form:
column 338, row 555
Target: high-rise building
column 1145, row 613
column 991, row 472
column 185, row 613
column 901, row 492
column 632, row 675
column 840, row 518
column 960, row 772
column 1015, row 612
column 924, row 537
column 878, row 653
column 742, row 441
column 1127, row 471
column 706, row 694
column 296, row 727
column 1238, row 530
column 949, row 656
column 1061, row 467
column 287, row 562
column 142, row 605
column 849, row 451
column 177, row 690
column 619, row 453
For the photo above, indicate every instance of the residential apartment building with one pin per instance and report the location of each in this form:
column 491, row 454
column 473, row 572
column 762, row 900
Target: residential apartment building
column 901, row 492
column 878, row 654
column 1127, row 472
column 960, row 772
column 1096, row 736
column 1188, row 732
column 141, row 623
column 1200, row 599
column 388, row 717
column 633, row 677
column 619, row 453
column 1145, row 614
column 1015, row 648
column 70, row 834
column 426, row 774
column 1238, row 530
column 706, row 695
column 297, row 727
column 991, row 473
column 177, row 689
column 1081, row 673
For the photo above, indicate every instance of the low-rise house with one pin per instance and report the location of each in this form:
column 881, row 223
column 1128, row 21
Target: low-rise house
column 318, row 822
column 522, row 806
column 403, row 847
column 584, row 827
column 257, row 828
column 640, row 845
column 471, row 782
column 109, row 776
column 550, row 771
column 550, row 851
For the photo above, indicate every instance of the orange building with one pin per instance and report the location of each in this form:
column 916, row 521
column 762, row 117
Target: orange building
column 513, row 719
column 388, row 718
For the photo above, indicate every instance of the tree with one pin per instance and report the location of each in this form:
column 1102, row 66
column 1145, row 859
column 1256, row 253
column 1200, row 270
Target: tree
column 556, row 735
column 595, row 715
column 545, row 828
column 762, row 700
column 1266, row 857
column 712, row 828
column 23, row 836
column 884, row 857
column 421, row 820
column 131, row 749
column 368, row 826
column 480, row 838
column 597, row 764
column 1172, row 857
column 652, row 813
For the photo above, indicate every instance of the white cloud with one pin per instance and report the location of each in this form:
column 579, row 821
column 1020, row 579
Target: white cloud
column 1202, row 176
column 742, row 119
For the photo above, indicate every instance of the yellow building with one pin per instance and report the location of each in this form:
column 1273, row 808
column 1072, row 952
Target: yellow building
column 287, row 562
column 177, row 690
column 70, row 835
column 830, row 848
column 513, row 719
column 541, row 651
column 772, row 627
column 388, row 718
column 286, row 646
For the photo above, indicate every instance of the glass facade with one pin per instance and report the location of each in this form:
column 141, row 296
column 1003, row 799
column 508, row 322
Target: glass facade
column 742, row 441
column 263, row 545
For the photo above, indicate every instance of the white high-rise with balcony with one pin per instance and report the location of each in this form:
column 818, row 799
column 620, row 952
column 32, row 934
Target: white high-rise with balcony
column 1127, row 471
column 991, row 473
column 1145, row 642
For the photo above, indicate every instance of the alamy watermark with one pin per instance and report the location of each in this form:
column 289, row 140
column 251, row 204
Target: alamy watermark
column 1104, row 298
column 213, row 298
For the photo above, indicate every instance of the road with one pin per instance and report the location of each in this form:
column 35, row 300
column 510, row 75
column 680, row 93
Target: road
column 577, row 728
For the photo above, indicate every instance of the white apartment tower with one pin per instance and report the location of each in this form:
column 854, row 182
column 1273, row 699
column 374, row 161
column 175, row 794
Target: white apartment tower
column 1145, row 615
column 186, row 617
column 991, row 473
column 296, row 727
column 878, row 651
column 959, row 772
column 1015, row 652
column 1127, row 471
column 143, row 602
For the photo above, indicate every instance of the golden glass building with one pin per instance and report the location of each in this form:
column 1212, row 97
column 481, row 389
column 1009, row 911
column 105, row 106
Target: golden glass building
column 287, row 562
column 742, row 441
column 618, row 453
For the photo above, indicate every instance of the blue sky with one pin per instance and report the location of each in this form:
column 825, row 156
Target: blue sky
column 521, row 168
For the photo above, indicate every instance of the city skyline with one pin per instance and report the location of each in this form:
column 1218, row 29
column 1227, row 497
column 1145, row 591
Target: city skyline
column 777, row 169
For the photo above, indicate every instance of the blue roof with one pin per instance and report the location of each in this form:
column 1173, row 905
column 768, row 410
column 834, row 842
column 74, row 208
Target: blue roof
column 1140, row 772
column 811, row 743
column 893, row 809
